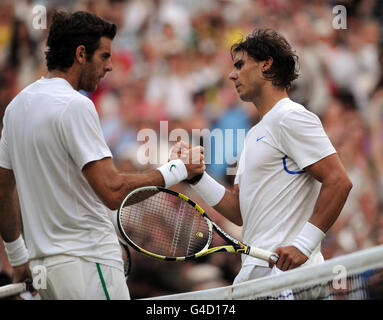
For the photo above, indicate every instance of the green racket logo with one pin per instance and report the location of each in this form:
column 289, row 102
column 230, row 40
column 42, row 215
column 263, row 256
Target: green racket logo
column 172, row 166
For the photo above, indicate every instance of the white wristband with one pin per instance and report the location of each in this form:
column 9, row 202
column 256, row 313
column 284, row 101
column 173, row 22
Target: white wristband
column 210, row 190
column 173, row 172
column 308, row 239
column 17, row 252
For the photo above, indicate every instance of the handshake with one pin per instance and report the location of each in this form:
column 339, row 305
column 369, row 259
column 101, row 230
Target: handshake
column 185, row 163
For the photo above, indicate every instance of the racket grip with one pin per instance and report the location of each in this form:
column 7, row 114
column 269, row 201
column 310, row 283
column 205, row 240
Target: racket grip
column 263, row 254
column 12, row 289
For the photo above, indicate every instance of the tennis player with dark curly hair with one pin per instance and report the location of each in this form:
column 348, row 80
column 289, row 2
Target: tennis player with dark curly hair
column 290, row 186
column 53, row 152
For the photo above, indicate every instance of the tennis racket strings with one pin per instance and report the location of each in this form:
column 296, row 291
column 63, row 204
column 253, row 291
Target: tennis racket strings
column 164, row 224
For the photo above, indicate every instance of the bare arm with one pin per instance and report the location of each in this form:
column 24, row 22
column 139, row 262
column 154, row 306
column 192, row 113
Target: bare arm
column 229, row 206
column 332, row 197
column 112, row 186
column 334, row 191
column 10, row 219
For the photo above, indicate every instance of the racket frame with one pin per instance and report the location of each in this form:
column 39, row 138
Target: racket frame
column 235, row 245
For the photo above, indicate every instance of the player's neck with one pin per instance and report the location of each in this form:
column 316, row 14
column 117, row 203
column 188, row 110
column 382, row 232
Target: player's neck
column 268, row 98
column 69, row 76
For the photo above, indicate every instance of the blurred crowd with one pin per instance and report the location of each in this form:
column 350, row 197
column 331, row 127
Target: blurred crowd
column 171, row 62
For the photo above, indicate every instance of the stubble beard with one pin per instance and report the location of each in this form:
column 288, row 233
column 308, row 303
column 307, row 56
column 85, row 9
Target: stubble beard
column 88, row 80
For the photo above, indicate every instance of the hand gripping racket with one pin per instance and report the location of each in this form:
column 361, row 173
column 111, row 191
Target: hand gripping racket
column 167, row 225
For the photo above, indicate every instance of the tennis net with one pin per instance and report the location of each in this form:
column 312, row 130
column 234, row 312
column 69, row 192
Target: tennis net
column 356, row 276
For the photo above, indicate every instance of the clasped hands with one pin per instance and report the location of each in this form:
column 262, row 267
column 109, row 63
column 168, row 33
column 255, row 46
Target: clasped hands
column 192, row 157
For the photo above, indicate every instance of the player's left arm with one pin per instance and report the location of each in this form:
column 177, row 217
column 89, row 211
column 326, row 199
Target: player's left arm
column 336, row 186
column 332, row 196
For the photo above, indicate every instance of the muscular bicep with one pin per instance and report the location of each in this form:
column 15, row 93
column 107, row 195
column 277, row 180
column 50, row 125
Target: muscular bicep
column 112, row 186
column 327, row 169
column 103, row 177
column 333, row 193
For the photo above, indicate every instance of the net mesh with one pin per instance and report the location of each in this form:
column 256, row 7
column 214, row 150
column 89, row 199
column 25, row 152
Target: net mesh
column 357, row 276
column 163, row 224
column 354, row 287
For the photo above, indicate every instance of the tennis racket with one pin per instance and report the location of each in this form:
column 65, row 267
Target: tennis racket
column 167, row 225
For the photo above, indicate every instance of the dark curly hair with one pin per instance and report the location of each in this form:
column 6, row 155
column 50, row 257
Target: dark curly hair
column 68, row 31
column 262, row 44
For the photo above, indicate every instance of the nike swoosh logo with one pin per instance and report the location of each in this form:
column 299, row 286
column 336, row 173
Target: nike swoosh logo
column 260, row 138
column 172, row 166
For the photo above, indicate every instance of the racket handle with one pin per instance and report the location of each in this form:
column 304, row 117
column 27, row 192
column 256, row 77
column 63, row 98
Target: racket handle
column 12, row 289
column 263, row 254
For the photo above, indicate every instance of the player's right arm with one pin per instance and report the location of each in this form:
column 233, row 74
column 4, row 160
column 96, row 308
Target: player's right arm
column 215, row 195
column 112, row 186
column 10, row 222
column 229, row 206
column 81, row 134
column 10, row 213
column 10, row 227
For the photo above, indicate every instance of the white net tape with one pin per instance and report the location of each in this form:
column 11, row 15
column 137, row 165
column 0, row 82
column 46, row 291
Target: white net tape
column 354, row 276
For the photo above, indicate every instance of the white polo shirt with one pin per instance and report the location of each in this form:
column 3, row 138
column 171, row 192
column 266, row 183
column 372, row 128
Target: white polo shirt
column 50, row 132
column 277, row 196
